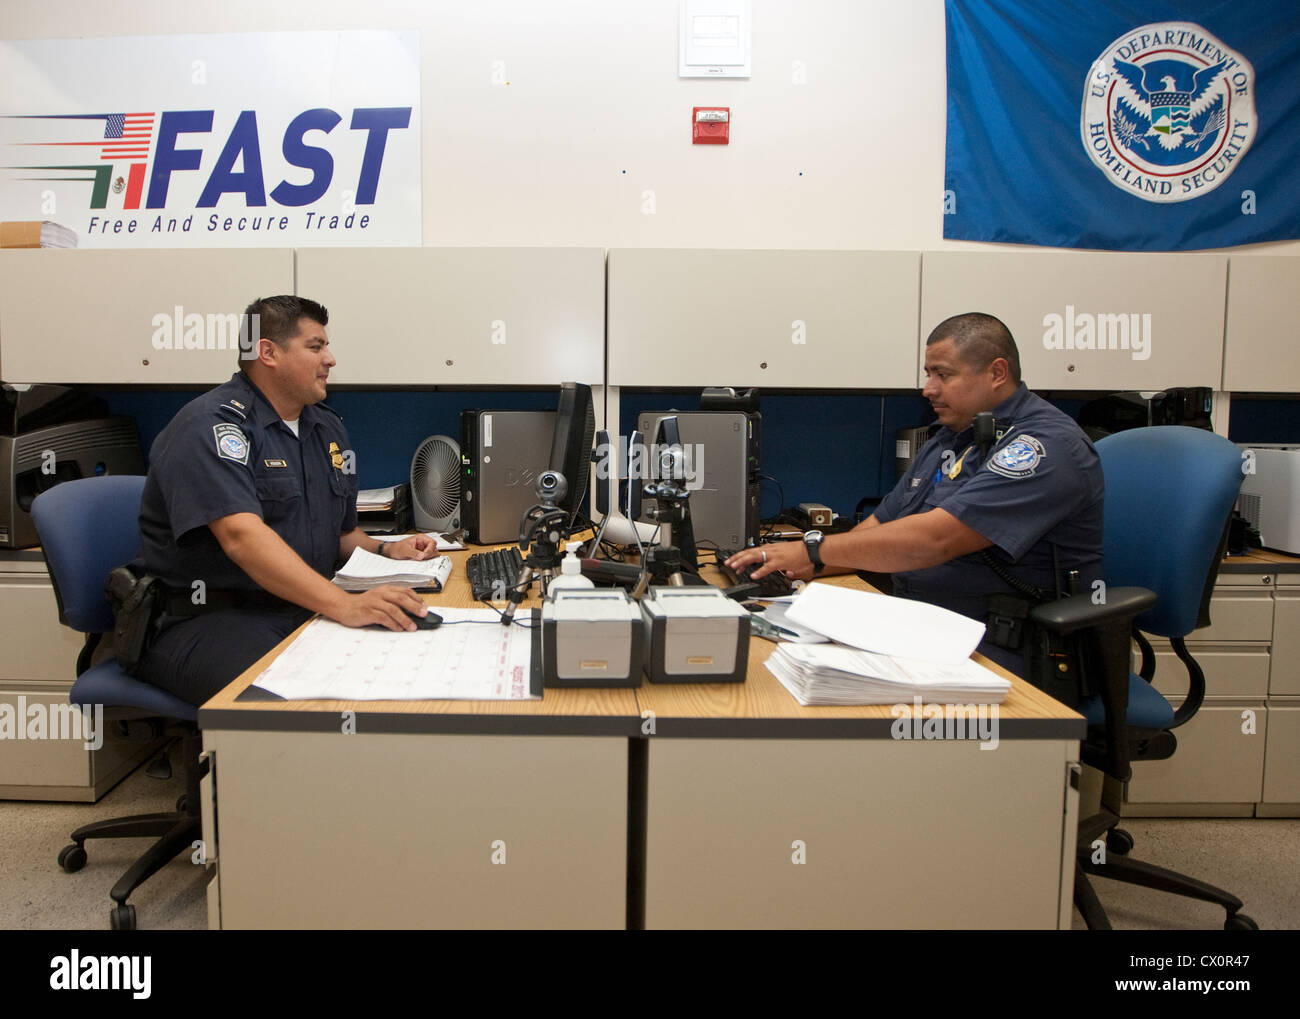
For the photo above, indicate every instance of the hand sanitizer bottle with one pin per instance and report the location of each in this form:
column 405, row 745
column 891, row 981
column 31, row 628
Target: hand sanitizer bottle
column 571, row 578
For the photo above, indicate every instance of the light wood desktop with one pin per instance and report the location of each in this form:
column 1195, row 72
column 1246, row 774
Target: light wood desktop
column 699, row 805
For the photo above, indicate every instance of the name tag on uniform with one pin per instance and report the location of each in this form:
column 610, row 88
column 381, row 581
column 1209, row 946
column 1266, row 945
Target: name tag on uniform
column 276, row 463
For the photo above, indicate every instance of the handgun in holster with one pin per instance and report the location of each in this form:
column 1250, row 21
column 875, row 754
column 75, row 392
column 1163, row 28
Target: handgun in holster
column 137, row 601
column 1055, row 667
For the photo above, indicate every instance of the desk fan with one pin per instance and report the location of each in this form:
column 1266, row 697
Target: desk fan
column 435, row 484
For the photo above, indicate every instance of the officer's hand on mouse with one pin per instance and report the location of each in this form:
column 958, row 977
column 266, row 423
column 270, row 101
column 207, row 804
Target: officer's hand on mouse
column 417, row 546
column 789, row 557
column 389, row 606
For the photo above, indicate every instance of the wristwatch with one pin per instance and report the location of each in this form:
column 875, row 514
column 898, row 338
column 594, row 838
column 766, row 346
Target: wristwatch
column 812, row 541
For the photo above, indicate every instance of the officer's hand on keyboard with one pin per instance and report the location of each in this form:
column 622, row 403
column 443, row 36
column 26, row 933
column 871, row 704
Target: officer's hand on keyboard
column 390, row 607
column 789, row 557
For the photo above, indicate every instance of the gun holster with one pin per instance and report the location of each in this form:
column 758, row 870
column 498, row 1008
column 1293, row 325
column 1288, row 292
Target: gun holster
column 137, row 602
column 1051, row 660
column 1054, row 666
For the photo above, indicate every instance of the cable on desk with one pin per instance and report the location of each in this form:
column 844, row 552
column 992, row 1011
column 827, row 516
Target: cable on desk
column 517, row 621
column 780, row 491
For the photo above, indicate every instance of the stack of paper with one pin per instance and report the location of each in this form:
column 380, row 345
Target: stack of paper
column 365, row 570
column 833, row 674
column 36, row 234
column 375, row 499
column 885, row 625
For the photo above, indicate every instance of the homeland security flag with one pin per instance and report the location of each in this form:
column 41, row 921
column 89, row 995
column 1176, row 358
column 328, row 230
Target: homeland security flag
column 1137, row 126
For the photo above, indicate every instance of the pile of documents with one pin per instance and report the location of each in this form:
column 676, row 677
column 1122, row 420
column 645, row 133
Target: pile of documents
column 36, row 234
column 887, row 650
column 374, row 499
column 365, row 570
column 834, row 674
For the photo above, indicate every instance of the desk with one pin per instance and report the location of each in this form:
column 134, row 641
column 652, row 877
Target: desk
column 609, row 815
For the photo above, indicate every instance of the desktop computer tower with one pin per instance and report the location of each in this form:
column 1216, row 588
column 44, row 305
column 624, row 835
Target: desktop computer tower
column 908, row 442
column 723, row 456
column 501, row 454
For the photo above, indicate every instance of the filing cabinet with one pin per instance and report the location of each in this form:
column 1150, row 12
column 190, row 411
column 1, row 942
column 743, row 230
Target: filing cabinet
column 1240, row 755
column 37, row 668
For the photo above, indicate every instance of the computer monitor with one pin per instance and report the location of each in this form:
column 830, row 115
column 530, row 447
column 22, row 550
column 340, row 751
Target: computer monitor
column 575, row 431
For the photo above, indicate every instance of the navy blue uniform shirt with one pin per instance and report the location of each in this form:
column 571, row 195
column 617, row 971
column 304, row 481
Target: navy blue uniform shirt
column 1041, row 486
column 229, row 452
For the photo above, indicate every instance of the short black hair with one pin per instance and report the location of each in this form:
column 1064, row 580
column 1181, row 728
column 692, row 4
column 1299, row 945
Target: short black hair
column 276, row 319
column 979, row 340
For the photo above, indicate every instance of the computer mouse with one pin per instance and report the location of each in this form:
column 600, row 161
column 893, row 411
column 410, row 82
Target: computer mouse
column 428, row 621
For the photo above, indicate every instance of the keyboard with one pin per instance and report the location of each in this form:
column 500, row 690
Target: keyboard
column 774, row 585
column 492, row 574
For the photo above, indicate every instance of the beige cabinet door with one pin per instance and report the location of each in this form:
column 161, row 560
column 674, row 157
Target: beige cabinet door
column 1263, row 303
column 778, row 319
column 461, row 316
column 142, row 316
column 1088, row 320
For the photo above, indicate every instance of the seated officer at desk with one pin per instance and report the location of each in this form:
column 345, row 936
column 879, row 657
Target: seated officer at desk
column 248, row 507
column 963, row 526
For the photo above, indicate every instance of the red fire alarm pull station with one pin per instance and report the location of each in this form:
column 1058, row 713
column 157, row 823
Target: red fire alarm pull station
column 710, row 125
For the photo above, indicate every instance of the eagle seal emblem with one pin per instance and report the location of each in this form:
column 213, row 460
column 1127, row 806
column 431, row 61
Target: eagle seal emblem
column 1168, row 111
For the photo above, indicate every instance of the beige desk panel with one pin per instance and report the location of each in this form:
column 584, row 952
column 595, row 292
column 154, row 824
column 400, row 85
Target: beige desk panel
column 500, row 316
column 1259, row 350
column 88, row 316
column 897, row 834
column 726, row 317
column 317, row 830
column 1021, row 288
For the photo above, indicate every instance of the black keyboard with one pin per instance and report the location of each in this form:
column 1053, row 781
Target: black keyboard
column 492, row 574
column 775, row 585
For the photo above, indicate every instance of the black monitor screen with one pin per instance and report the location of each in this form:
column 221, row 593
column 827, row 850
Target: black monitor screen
column 575, row 431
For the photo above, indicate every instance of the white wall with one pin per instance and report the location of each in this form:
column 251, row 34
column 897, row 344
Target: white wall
column 594, row 115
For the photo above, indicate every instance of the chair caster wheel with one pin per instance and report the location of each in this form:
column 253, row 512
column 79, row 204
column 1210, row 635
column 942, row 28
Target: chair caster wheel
column 160, row 767
column 72, row 858
column 122, row 918
column 181, row 801
column 1119, row 842
column 1240, row 922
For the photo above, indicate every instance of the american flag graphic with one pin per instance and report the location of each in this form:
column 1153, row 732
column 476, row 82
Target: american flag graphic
column 127, row 136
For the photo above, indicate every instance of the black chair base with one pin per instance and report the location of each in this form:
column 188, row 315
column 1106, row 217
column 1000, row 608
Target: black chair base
column 176, row 832
column 1119, row 867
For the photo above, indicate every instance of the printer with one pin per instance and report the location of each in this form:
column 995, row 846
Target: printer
column 50, row 434
column 1270, row 493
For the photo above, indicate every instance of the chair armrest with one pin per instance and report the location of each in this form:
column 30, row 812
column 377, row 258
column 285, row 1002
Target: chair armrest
column 1078, row 612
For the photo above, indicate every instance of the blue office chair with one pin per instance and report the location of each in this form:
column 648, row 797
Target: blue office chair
column 88, row 528
column 1169, row 493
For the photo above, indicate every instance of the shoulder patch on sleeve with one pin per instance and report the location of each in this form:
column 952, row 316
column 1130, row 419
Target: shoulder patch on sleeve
column 1019, row 458
column 232, row 444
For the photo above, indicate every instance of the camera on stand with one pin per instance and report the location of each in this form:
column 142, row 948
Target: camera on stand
column 542, row 533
